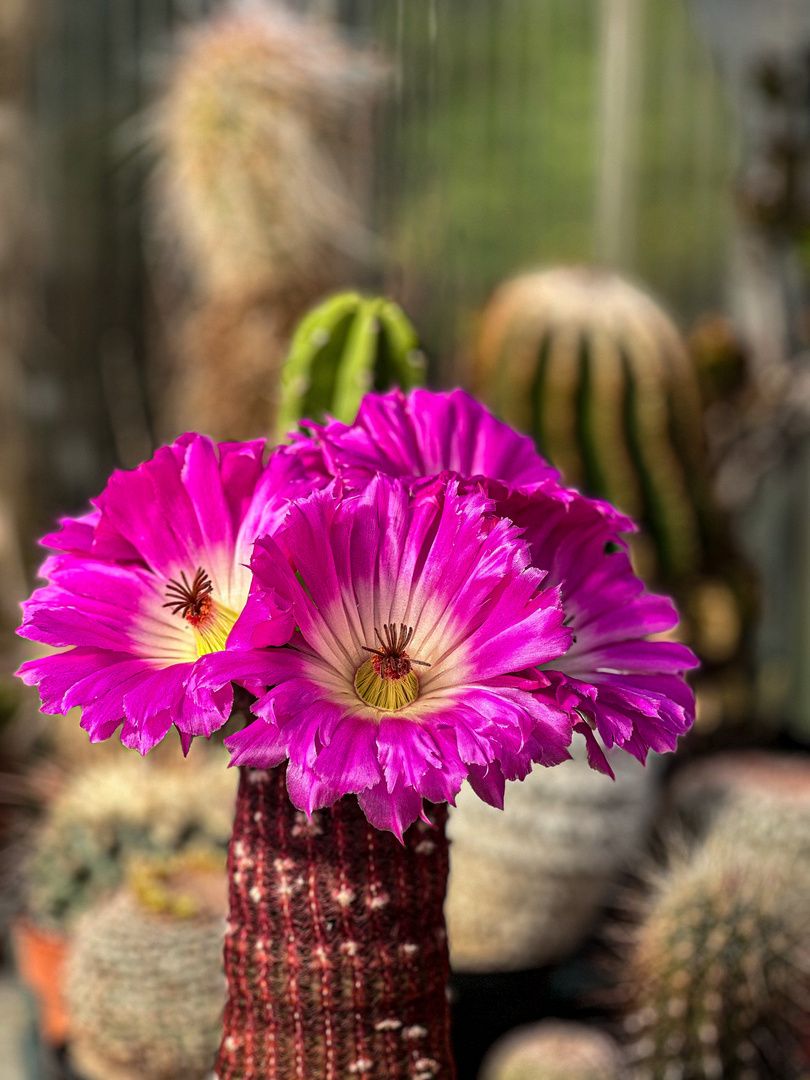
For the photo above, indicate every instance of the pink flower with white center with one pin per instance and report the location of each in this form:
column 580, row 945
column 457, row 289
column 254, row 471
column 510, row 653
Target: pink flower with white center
column 149, row 589
column 614, row 681
column 421, row 625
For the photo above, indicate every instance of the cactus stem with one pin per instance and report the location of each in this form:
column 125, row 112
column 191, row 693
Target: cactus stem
column 336, row 950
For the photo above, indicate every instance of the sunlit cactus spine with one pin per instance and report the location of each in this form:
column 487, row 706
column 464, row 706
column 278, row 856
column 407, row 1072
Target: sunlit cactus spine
column 716, row 979
column 348, row 345
column 596, row 371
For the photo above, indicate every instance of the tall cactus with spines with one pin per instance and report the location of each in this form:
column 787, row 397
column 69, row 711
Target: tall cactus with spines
column 346, row 346
column 595, row 370
column 716, row 979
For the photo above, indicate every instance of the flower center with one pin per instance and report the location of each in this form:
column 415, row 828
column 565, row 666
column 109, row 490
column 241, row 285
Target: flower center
column 210, row 620
column 387, row 681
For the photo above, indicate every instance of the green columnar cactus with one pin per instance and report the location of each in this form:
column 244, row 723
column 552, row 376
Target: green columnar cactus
column 716, row 978
column 343, row 348
column 595, row 370
column 553, row 1050
column 110, row 813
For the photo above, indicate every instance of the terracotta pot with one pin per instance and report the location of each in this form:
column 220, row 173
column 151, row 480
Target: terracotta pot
column 40, row 956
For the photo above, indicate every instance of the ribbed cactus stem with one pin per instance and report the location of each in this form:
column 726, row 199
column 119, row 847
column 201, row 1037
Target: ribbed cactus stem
column 336, row 950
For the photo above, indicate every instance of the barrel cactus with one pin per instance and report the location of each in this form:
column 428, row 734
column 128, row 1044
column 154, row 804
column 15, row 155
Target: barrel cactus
column 527, row 882
column 553, row 1050
column 716, row 977
column 110, row 813
column 145, row 986
column 763, row 796
column 346, row 346
column 596, row 371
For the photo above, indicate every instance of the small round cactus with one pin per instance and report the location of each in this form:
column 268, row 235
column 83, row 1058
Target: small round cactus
column 716, row 977
column 145, row 988
column 110, row 813
column 553, row 1050
column 346, row 346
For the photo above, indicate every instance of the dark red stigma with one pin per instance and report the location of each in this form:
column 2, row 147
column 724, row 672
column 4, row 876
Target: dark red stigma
column 192, row 601
column 390, row 660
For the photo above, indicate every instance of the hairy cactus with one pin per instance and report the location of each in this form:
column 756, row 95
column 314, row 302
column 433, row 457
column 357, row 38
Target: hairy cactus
column 110, row 813
column 259, row 203
column 716, row 980
column 553, row 1050
column 258, row 135
column 145, row 988
column 346, row 346
column 527, row 882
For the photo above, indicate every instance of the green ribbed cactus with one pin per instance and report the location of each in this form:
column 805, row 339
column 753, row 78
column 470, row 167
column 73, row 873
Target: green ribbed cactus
column 348, row 345
column 553, row 1050
column 596, row 371
column 717, row 976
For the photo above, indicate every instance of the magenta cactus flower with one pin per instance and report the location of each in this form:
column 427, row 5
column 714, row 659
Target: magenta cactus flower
column 620, row 688
column 421, row 628
column 413, row 600
column 148, row 589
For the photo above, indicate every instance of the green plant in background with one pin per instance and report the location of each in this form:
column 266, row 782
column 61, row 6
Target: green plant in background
column 110, row 813
column 144, row 984
column 716, row 977
column 553, row 1050
column 348, row 345
column 491, row 154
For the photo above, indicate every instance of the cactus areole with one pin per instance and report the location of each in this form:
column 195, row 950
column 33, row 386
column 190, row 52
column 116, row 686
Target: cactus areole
column 336, row 950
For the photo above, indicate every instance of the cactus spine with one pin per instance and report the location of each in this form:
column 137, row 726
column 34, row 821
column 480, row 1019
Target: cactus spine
column 260, row 199
column 717, row 975
column 346, row 346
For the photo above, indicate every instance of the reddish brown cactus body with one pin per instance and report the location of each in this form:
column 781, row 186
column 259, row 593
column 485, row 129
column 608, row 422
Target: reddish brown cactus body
column 336, row 951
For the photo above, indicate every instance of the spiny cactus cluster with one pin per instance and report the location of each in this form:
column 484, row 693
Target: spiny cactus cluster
column 145, row 991
column 108, row 814
column 553, row 1050
column 716, row 980
column 348, row 345
column 259, row 135
column 527, row 882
